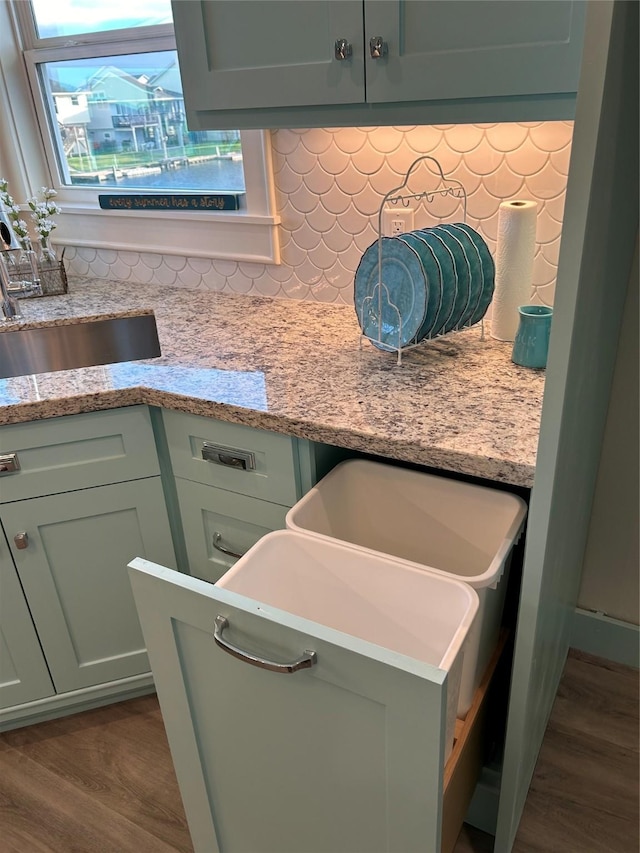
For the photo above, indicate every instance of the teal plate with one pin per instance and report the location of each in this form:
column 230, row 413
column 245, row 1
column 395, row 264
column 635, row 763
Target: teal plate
column 445, row 321
column 392, row 312
column 487, row 267
column 433, row 280
column 489, row 277
column 462, row 308
column 476, row 273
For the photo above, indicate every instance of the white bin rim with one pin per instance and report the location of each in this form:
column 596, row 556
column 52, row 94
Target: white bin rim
column 512, row 508
column 272, row 573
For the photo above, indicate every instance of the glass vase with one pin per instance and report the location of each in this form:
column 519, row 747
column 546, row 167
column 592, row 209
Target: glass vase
column 46, row 255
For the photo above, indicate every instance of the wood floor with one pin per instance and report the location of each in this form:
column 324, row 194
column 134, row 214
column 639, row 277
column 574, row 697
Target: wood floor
column 102, row 781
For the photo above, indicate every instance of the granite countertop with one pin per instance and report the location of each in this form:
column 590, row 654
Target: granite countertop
column 299, row 368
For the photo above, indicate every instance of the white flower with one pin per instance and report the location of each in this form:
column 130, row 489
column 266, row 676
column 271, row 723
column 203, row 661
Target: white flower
column 44, row 227
column 42, row 212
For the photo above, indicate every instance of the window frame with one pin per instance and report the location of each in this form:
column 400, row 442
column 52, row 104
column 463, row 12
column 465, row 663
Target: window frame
column 250, row 234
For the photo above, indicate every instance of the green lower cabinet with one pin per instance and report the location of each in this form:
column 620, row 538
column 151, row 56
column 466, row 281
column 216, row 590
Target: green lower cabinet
column 71, row 553
column 24, row 676
column 219, row 526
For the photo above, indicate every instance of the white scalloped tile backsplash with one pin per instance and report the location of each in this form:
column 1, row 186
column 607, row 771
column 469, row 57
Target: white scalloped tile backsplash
column 329, row 186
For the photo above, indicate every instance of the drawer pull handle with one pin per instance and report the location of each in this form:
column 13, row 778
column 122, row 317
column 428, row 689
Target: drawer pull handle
column 9, row 462
column 244, row 460
column 305, row 661
column 217, row 539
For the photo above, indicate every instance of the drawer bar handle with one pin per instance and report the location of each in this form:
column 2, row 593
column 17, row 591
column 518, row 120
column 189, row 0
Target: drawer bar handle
column 9, row 463
column 244, row 460
column 305, row 661
column 217, row 539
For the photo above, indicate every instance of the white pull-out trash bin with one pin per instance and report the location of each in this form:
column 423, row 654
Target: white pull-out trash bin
column 460, row 530
column 383, row 601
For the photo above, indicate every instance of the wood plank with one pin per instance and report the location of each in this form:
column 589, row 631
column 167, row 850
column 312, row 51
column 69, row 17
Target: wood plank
column 41, row 812
column 119, row 757
column 584, row 792
column 593, row 689
column 465, row 762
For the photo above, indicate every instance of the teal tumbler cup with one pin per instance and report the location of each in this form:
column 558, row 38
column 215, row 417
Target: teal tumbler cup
column 531, row 343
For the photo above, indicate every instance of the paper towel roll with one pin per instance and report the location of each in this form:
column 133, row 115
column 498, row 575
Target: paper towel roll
column 515, row 249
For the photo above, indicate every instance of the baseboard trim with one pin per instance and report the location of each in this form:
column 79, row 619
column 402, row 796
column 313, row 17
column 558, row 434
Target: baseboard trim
column 600, row 635
column 63, row 704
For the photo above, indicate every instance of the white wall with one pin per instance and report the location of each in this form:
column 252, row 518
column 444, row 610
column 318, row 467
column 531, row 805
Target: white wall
column 610, row 577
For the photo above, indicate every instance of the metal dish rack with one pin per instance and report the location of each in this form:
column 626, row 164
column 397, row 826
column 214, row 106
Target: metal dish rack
column 375, row 301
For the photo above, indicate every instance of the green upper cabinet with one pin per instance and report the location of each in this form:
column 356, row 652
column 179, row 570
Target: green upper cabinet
column 268, row 53
column 439, row 49
column 277, row 63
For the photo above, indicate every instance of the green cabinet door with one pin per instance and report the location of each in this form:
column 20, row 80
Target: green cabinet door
column 74, row 575
column 24, row 676
column 437, row 50
column 277, row 53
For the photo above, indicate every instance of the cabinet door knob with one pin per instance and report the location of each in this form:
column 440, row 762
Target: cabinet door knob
column 21, row 540
column 343, row 49
column 377, row 47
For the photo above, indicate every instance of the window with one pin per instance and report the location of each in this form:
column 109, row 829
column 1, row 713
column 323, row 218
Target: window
column 106, row 93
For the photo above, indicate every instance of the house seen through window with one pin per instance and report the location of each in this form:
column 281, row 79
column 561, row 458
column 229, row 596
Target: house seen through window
column 117, row 120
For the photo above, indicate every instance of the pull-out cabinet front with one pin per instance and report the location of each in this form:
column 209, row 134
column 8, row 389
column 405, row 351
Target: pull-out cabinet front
column 346, row 755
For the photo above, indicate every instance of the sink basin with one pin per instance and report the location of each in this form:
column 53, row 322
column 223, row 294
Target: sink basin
column 82, row 344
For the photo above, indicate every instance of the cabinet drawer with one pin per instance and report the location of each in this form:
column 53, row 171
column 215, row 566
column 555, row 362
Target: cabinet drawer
column 249, row 461
column 76, row 451
column 215, row 522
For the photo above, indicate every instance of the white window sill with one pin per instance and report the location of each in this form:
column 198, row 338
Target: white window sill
column 231, row 236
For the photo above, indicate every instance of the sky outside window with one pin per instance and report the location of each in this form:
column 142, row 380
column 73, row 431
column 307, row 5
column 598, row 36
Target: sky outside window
column 71, row 17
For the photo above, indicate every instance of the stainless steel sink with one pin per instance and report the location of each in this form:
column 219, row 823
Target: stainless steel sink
column 82, row 344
